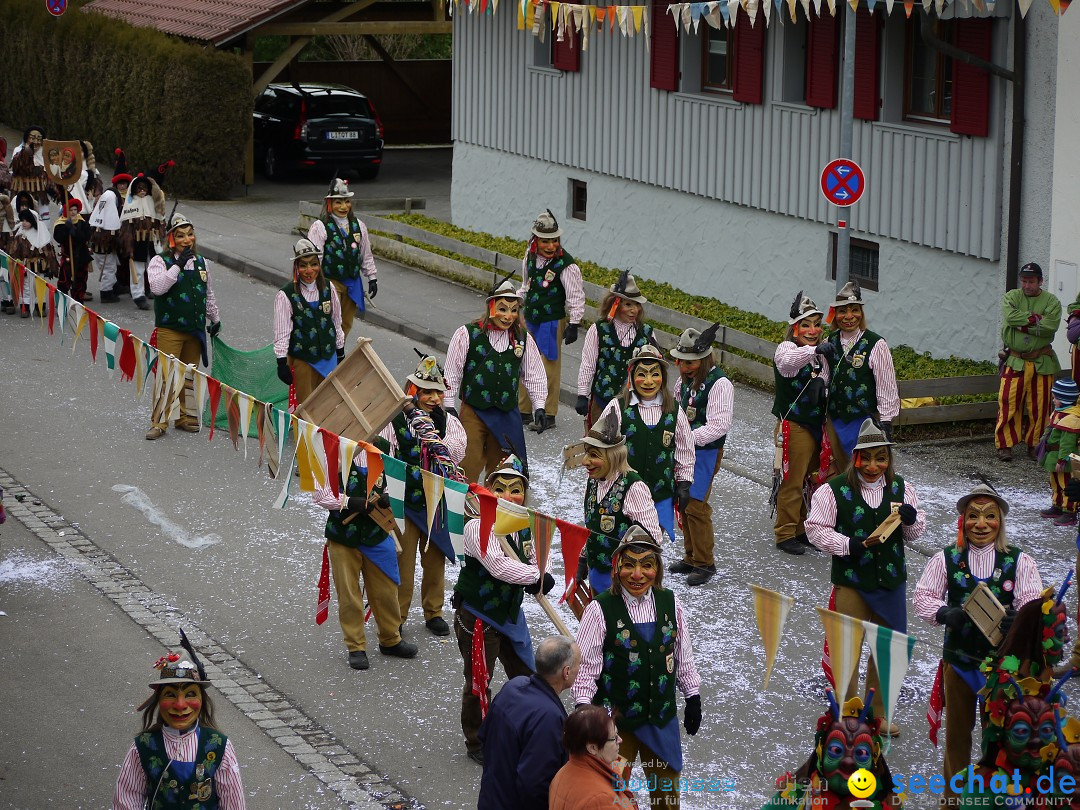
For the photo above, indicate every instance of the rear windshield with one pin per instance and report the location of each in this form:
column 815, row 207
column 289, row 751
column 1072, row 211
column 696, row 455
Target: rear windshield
column 322, row 106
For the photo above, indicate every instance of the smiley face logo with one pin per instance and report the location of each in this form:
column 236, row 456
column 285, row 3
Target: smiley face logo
column 861, row 783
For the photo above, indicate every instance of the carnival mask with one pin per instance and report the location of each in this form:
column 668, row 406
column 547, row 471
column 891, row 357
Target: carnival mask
column 596, row 463
column 307, row 268
column 628, row 311
column 1029, row 729
column 848, row 745
column 546, row 248
column 872, row 463
column 637, row 571
column 509, row 488
column 504, row 312
column 648, row 380
column 982, row 521
column 849, row 317
column 180, row 705
column 340, row 207
column 807, row 332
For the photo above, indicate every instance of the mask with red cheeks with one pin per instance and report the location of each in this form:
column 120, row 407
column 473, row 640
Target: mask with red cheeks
column 808, row 332
column 1029, row 728
column 848, row 745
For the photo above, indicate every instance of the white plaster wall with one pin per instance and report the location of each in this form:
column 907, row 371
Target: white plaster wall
column 934, row 301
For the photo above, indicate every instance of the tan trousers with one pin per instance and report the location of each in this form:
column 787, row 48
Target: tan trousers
column 553, row 372
column 803, row 458
column 187, row 348
column 433, row 579
column 348, row 565
column 652, row 765
column 482, row 449
column 850, row 602
column 961, row 705
column 698, row 535
column 348, row 310
column 305, row 378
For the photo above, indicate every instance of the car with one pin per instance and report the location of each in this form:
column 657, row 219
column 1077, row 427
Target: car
column 310, row 125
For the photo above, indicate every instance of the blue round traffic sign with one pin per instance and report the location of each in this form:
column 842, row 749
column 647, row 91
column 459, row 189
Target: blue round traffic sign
column 842, row 182
column 56, row 7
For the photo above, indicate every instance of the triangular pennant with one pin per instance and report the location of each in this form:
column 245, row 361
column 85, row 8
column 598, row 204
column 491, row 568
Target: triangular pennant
column 433, row 492
column 262, row 418
column 331, row 444
column 111, row 332
column 891, row 654
column 52, row 292
column 232, row 414
column 909, row 6
column 542, row 529
column 246, row 405
column 41, row 293
column 82, row 318
column 845, row 636
column 510, row 518
column 213, row 390
column 286, row 475
column 63, row 305
column 637, row 12
column 771, row 610
column 488, row 507
column 375, row 465
column 752, row 7
column 394, row 470
column 127, row 356
column 95, row 325
column 202, row 390
column 140, row 365
column 572, row 540
column 346, row 451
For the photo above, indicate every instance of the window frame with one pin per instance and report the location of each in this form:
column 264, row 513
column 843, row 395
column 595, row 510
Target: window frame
column 576, row 186
column 944, row 73
column 865, row 282
column 729, row 36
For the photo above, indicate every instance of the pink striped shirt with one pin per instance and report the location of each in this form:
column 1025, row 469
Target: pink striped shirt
column 719, row 411
column 590, row 352
column 496, row 561
column 317, row 236
column 637, row 504
column 593, row 629
column 790, row 359
column 325, row 497
column 532, row 368
column 821, row 522
column 572, row 285
column 133, row 792
column 650, row 413
column 283, row 322
column 888, row 396
column 931, row 590
column 454, row 439
column 162, row 278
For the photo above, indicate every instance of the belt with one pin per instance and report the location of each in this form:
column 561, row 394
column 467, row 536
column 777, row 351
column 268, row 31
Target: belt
column 1035, row 355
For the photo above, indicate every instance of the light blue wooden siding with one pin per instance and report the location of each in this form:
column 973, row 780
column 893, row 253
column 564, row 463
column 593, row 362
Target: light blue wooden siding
column 925, row 186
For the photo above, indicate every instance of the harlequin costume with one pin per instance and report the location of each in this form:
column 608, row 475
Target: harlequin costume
column 609, row 344
column 980, row 554
column 554, row 306
column 346, row 252
column 72, row 233
column 635, row 653
column 869, row 582
column 1058, row 443
column 309, row 340
column 105, row 228
column 1028, row 326
column 800, row 402
column 485, row 362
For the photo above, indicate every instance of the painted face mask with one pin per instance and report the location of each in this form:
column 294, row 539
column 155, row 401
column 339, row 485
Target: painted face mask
column 982, row 521
column 1029, row 730
column 648, row 380
column 846, row 745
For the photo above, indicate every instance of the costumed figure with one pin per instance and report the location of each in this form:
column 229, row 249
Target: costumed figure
column 609, row 344
column 28, row 171
column 88, row 187
column 358, row 544
column 981, row 553
column 142, row 225
column 8, row 225
column 1058, row 443
column 1030, row 317
column 845, row 741
column 1066, row 763
column 346, row 250
column 485, row 362
column 590, row 779
column 179, row 278
column 72, row 233
column 863, row 380
column 554, row 299
column 34, row 248
column 181, row 758
column 804, row 456
column 5, row 170
column 707, row 397
column 105, row 230
column 869, row 572
column 309, row 340
column 635, row 651
column 488, row 621
column 410, row 437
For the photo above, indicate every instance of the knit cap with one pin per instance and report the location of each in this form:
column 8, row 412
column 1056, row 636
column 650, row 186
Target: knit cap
column 1065, row 391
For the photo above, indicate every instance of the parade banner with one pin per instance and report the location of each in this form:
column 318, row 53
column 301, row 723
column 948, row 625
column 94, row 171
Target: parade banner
column 890, row 652
column 845, row 636
column 63, row 161
column 771, row 610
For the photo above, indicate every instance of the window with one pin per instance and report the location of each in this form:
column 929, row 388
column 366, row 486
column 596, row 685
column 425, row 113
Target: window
column 928, row 86
column 566, row 55
column 579, row 196
column 862, row 264
column 716, row 59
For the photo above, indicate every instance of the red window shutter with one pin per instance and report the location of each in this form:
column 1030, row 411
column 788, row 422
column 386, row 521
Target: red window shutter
column 749, row 58
column 822, row 58
column 867, row 65
column 664, row 56
column 566, row 55
column 971, row 85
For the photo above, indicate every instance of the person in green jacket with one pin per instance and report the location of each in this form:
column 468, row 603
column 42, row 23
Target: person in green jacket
column 1059, row 442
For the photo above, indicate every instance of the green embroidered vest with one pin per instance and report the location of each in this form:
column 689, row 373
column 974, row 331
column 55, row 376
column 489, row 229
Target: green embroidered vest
column 613, row 360
column 790, row 401
column 637, row 677
column 695, row 402
column 545, row 300
column 479, row 588
column 343, row 251
column 409, row 452
column 652, row 451
column 183, row 307
column 853, row 390
column 313, row 336
column 605, row 520
column 877, row 567
column 175, row 794
column 489, row 378
column 361, row 531
column 967, row 648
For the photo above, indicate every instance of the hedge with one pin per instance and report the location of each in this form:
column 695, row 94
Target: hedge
column 85, row 75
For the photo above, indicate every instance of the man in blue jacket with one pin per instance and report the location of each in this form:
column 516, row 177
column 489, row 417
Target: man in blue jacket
column 522, row 733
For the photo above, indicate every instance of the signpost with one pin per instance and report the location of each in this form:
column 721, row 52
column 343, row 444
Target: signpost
column 842, row 182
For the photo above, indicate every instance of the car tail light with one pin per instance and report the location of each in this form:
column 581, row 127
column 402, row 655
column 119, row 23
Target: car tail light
column 378, row 121
column 300, row 133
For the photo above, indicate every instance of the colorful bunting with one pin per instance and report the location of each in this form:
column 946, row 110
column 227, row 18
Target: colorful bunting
column 510, row 518
column 771, row 610
column 394, row 470
column 890, row 652
column 454, row 496
column 572, row 540
column 542, row 528
column 488, row 508
column 845, row 636
column 433, row 493
column 332, row 453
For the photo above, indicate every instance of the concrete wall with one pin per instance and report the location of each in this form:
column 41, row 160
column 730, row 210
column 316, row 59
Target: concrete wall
column 1064, row 234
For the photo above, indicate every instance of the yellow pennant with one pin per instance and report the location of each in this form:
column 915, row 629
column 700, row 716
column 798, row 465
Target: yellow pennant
column 41, row 292
column 637, row 12
column 140, row 365
column 771, row 610
column 554, row 14
column 84, row 318
column 1056, row 6
column 845, row 637
column 509, row 517
column 247, row 407
column 433, row 492
column 347, row 449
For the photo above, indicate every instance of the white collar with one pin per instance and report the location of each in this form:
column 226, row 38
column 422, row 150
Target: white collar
column 630, row 599
column 654, row 401
column 313, row 285
column 872, row 485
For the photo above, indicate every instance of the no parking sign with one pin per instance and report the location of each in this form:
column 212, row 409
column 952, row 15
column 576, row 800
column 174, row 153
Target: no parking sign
column 842, row 182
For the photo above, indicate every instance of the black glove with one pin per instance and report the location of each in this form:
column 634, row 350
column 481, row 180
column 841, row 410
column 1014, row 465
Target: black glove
column 886, row 428
column 582, row 406
column 372, row 287
column 538, row 419
column 907, row 512
column 214, row 328
column 682, row 492
column 547, row 582
column 952, row 617
column 1007, row 621
column 357, row 505
column 186, row 256
column 384, row 501
column 284, row 373
column 451, row 411
column 692, row 715
column 341, row 355
column 1072, row 489
column 826, row 350
column 570, row 335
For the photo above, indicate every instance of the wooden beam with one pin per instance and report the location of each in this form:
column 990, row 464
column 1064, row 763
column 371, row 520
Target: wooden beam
column 397, row 71
column 279, row 64
column 249, row 149
column 357, row 28
column 438, row 8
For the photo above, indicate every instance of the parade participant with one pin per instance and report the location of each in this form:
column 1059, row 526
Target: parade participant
column 1059, row 442
column 28, row 171
column 141, row 225
column 981, row 553
column 88, row 187
column 615, row 498
column 554, row 306
column 357, row 546
column 34, row 248
column 346, row 250
column 105, row 229
column 608, row 345
column 180, row 281
column 427, row 388
column 1030, row 317
column 635, row 650
column 485, row 362
column 659, row 442
column 801, row 372
column 521, row 736
column 72, row 233
column 180, row 756
column 845, row 741
column 868, row 573
column 309, row 340
column 590, row 779
column 863, row 380
column 1067, row 762
column 487, row 600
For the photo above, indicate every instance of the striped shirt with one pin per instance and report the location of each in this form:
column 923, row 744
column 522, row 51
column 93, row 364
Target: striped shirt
column 317, row 236
column 931, row 590
column 496, row 561
column 454, row 438
column 821, row 522
column 162, row 278
column 590, row 351
column 650, row 413
column 790, row 359
column 719, row 411
column 532, row 369
column 637, row 504
column 325, row 497
column 888, row 396
column 593, row 630
column 283, row 316
column 572, row 286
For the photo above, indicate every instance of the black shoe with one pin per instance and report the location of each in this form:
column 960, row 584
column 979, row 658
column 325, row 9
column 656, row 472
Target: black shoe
column 358, row 659
column 402, row 649
column 438, row 626
column 701, row 574
column 142, row 303
column 476, row 756
column 805, row 541
column 681, row 567
column 792, row 546
column 549, row 421
column 526, row 418
column 108, row 297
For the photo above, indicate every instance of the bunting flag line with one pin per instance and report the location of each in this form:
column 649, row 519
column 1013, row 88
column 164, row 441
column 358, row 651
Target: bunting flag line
column 433, row 494
column 454, row 494
column 845, row 636
column 488, row 507
column 571, row 540
column 890, row 652
column 771, row 610
column 331, row 446
column 542, row 529
column 509, row 517
column 375, row 466
column 346, row 450
column 394, row 470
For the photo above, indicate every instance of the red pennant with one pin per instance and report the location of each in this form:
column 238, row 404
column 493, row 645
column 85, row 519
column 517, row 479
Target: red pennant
column 826, row 662
column 52, row 306
column 92, row 322
column 293, row 403
column 260, row 427
column 488, row 504
column 572, row 540
column 331, row 445
column 213, row 388
column 480, row 676
column 937, row 702
column 127, row 356
column 323, row 609
column 232, row 415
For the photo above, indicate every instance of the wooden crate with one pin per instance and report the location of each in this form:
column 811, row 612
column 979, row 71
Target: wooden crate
column 358, row 398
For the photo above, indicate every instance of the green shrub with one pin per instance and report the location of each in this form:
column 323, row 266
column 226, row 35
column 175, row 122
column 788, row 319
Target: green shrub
column 85, row 75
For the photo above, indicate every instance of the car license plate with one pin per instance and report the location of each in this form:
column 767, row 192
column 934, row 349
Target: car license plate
column 349, row 135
